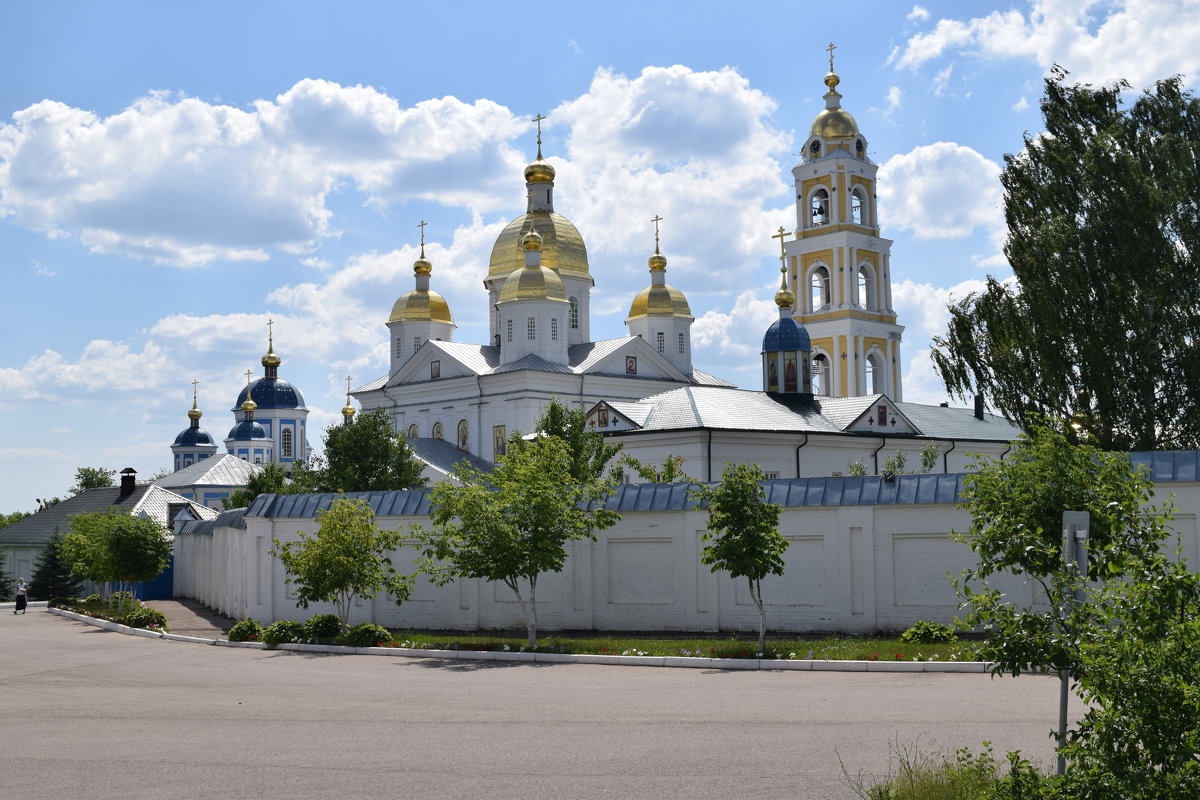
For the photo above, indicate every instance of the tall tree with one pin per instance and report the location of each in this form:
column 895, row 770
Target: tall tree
column 367, row 455
column 1098, row 325
column 346, row 558
column 52, row 574
column 111, row 546
column 273, row 479
column 513, row 524
column 744, row 531
column 587, row 449
column 92, row 478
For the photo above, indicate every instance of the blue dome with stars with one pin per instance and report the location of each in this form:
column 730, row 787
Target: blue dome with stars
column 246, row 431
column 190, row 437
column 269, row 393
column 786, row 334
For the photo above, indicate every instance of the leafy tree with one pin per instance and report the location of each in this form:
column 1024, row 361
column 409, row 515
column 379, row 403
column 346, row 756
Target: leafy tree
column 6, row 586
column 92, row 478
column 743, row 531
column 671, row 471
column 513, row 524
column 1098, row 324
column 587, row 449
column 273, row 479
column 9, row 519
column 111, row 546
column 367, row 455
column 52, row 574
column 345, row 558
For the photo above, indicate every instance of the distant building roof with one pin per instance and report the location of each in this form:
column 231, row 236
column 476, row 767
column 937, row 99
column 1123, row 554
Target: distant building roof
column 443, row 455
column 222, row 470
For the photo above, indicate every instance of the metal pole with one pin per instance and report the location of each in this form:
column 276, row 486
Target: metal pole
column 1075, row 534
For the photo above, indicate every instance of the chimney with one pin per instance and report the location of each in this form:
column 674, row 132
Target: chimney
column 128, row 481
column 978, row 406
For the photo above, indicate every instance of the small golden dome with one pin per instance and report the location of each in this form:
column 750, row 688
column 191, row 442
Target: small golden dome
column 531, row 240
column 249, row 405
column 784, row 297
column 422, row 266
column 657, row 261
column 562, row 247
column 659, row 301
column 347, row 411
column 270, row 359
column 419, row 305
column 195, row 413
column 539, row 171
column 832, row 80
column 532, row 283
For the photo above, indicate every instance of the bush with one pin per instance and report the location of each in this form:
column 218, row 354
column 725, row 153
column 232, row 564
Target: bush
column 323, row 628
column 283, row 632
column 61, row 602
column 92, row 598
column 248, row 630
column 923, row 632
column 117, row 597
column 143, row 617
column 367, row 634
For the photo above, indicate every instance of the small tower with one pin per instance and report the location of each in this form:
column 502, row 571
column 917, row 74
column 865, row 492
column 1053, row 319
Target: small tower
column 562, row 250
column 193, row 442
column 248, row 440
column 419, row 315
column 786, row 349
column 533, row 309
column 348, row 409
column 660, row 314
column 840, row 266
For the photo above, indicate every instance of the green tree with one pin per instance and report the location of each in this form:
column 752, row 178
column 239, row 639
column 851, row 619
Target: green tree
column 1098, row 324
column 92, row 478
column 743, row 529
column 9, row 519
column 273, row 479
column 513, row 524
column 346, row 558
column 6, row 586
column 52, row 574
column 367, row 455
column 111, row 546
column 587, row 449
column 670, row 472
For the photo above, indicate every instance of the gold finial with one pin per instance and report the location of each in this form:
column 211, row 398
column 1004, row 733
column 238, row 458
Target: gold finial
column 784, row 297
column 270, row 359
column 831, row 48
column 249, row 405
column 657, row 261
column 422, row 266
column 348, row 409
column 195, row 412
column 538, row 119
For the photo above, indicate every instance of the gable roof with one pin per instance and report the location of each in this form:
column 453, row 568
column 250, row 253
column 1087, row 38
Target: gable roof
column 443, row 455
column 222, row 470
column 154, row 501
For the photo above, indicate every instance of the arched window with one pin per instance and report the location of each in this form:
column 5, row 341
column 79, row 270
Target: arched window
column 866, row 287
column 437, row 431
column 822, row 375
column 413, row 433
column 857, row 207
column 819, row 205
column 818, row 289
column 875, row 376
column 574, row 312
column 285, row 442
column 464, row 435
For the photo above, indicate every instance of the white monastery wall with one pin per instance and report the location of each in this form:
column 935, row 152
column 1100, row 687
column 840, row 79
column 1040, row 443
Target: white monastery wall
column 849, row 568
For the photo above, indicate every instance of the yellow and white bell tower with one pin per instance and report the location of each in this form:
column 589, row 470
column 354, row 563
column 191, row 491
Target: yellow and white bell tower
column 839, row 265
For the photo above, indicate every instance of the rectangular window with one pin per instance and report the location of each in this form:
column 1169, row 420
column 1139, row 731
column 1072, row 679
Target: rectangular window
column 882, row 416
column 660, row 341
column 399, row 349
column 509, row 330
column 285, row 442
column 531, row 328
column 554, row 329
column 771, row 476
column 682, row 344
column 435, row 371
column 416, row 343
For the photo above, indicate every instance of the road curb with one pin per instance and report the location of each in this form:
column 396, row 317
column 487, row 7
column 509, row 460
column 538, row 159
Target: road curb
column 727, row 664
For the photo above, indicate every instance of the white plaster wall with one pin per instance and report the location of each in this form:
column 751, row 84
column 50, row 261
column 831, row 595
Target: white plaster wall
column 849, row 568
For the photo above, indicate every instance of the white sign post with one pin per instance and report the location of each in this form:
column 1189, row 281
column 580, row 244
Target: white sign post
column 1075, row 538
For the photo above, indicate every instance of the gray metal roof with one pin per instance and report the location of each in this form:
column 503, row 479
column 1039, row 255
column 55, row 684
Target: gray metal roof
column 444, row 455
column 958, row 423
column 235, row 518
column 154, row 501
column 222, row 470
column 721, row 408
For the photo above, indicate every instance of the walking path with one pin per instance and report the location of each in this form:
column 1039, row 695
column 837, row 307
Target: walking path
column 189, row 618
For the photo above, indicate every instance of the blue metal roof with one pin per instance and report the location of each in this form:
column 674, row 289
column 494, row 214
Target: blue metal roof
column 247, row 430
column 1172, row 466
column 786, row 334
column 271, row 393
column 190, row 436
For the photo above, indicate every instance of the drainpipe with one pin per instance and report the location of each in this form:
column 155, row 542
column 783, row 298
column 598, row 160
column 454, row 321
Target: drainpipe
column 479, row 413
column 798, row 453
column 1002, row 455
column 875, row 455
column 709, row 455
column 946, row 456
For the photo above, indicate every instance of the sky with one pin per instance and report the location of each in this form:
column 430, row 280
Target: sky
column 173, row 175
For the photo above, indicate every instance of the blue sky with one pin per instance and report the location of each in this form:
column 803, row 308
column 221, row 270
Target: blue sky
column 172, row 175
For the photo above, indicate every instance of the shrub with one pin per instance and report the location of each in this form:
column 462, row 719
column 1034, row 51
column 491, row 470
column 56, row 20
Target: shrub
column 923, row 632
column 92, row 598
column 283, row 632
column 143, row 617
column 323, row 627
column 248, row 630
column 367, row 634
column 117, row 597
column 61, row 602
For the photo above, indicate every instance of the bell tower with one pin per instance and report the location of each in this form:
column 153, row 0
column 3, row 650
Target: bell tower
column 838, row 264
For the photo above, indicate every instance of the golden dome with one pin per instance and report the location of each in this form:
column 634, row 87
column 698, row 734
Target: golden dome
column 562, row 247
column 531, row 240
column 249, row 405
column 532, row 283
column 657, row 261
column 270, row 359
column 539, row 171
column 422, row 266
column 834, row 123
column 195, row 413
column 419, row 305
column 347, row 411
column 784, row 297
column 659, row 301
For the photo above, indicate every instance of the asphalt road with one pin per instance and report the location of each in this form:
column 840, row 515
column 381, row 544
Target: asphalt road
column 87, row 713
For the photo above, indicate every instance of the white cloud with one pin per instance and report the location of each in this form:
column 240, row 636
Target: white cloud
column 940, row 191
column 41, row 269
column 922, row 306
column 26, row 454
column 893, row 99
column 103, row 366
column 1097, row 40
column 918, row 14
column 921, row 382
column 1022, row 104
column 941, row 81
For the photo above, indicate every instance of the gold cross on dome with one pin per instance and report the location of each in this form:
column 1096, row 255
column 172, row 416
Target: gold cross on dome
column 248, row 374
column 270, row 333
column 657, row 219
column 195, row 383
column 831, row 48
column 782, row 237
column 421, row 226
column 347, row 385
column 538, row 119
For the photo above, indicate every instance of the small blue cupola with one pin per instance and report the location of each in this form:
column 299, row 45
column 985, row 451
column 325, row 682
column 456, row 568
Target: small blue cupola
column 786, row 349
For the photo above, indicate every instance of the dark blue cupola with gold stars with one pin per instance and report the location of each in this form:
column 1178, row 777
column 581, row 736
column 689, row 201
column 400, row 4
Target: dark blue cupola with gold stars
column 193, row 442
column 786, row 348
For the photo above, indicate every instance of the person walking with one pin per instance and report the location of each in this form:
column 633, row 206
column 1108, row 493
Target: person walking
column 22, row 596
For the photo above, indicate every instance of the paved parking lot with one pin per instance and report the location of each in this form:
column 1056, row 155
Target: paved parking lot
column 88, row 713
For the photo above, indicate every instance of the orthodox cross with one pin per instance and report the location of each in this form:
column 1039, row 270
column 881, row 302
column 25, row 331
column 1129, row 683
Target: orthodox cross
column 421, row 226
column 347, row 386
column 657, row 219
column 195, row 383
column 831, row 48
column 538, row 119
column 270, row 333
column 781, row 236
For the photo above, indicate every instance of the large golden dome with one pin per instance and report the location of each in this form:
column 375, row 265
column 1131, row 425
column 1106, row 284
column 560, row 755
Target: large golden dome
column 659, row 301
column 419, row 305
column 532, row 283
column 834, row 123
column 562, row 247
column 540, row 171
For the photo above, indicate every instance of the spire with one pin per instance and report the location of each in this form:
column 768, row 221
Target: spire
column 540, row 170
column 194, row 414
column 271, row 361
column 833, row 122
column 422, row 266
column 249, row 405
column 348, row 409
column 784, row 297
